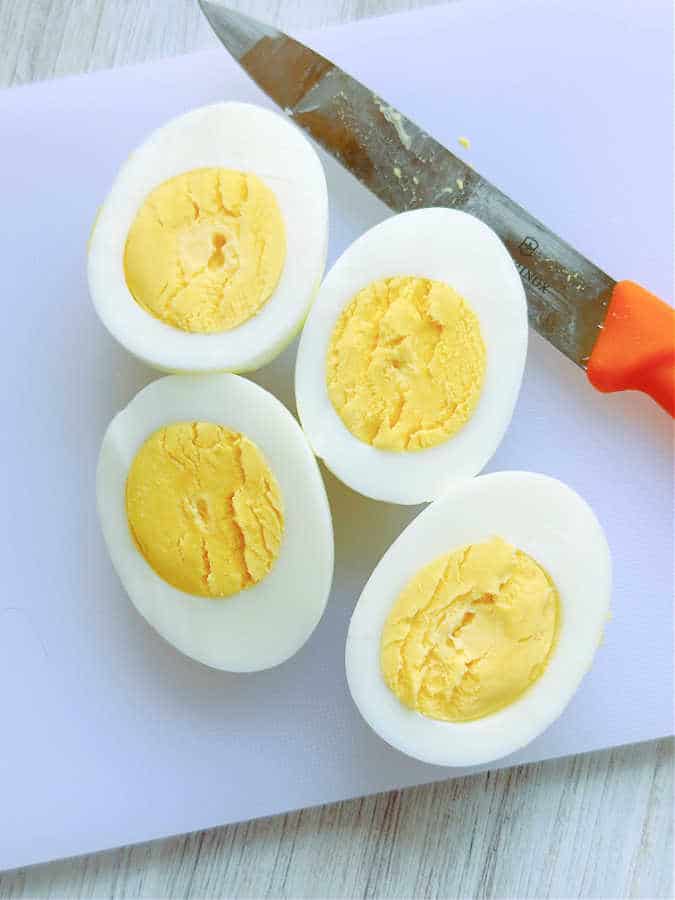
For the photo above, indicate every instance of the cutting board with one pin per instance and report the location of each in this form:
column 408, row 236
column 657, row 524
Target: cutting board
column 108, row 735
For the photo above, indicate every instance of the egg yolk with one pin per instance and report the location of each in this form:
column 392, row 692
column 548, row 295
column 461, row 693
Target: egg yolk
column 204, row 508
column 406, row 363
column 471, row 632
column 206, row 250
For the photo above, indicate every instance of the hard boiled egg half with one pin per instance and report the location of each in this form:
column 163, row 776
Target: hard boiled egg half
column 209, row 249
column 412, row 357
column 478, row 624
column 216, row 519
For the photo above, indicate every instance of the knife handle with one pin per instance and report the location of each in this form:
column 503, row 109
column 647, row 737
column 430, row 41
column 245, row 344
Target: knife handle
column 636, row 346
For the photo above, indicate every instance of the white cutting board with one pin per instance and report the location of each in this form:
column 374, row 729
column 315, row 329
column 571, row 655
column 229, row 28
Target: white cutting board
column 108, row 735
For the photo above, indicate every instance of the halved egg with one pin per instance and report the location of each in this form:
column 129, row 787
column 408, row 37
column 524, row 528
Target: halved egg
column 210, row 247
column 412, row 357
column 216, row 519
column 477, row 626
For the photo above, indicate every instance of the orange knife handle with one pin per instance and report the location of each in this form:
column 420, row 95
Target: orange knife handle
column 636, row 346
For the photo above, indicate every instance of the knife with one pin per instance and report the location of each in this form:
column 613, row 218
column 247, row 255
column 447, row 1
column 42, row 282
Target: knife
column 620, row 333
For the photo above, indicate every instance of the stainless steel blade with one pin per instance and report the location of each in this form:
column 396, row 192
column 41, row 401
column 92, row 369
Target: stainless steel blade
column 407, row 168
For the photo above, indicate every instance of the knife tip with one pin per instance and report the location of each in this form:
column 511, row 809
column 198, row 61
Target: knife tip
column 237, row 31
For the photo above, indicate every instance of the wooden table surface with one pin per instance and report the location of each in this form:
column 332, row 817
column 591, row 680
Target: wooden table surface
column 599, row 825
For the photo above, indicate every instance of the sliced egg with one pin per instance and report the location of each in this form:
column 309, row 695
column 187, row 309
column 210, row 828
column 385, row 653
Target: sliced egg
column 210, row 247
column 216, row 519
column 412, row 357
column 440, row 657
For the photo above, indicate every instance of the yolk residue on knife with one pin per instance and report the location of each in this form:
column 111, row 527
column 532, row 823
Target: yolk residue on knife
column 471, row 632
column 406, row 363
column 206, row 250
column 204, row 508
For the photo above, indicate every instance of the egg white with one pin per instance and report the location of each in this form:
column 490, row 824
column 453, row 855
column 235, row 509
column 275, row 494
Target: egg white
column 267, row 623
column 235, row 136
column 441, row 244
column 550, row 522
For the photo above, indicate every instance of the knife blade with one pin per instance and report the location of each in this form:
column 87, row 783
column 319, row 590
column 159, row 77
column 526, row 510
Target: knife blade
column 571, row 302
